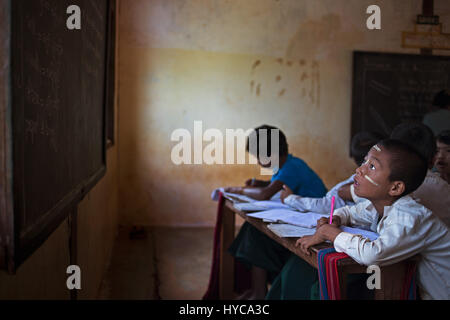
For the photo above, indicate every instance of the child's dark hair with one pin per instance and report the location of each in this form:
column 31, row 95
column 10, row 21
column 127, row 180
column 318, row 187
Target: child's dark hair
column 418, row 136
column 444, row 137
column 441, row 99
column 282, row 145
column 406, row 164
column 361, row 144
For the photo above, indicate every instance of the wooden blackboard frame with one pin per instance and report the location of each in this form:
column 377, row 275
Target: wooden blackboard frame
column 6, row 196
column 14, row 248
column 111, row 74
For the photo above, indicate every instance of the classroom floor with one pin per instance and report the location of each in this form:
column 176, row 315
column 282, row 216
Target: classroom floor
column 169, row 263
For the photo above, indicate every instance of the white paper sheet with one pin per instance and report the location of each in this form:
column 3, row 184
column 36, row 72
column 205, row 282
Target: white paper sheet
column 261, row 205
column 240, row 197
column 284, row 230
column 307, row 220
column 290, row 231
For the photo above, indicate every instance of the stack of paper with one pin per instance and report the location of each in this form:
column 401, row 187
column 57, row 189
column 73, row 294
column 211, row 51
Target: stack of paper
column 290, row 231
column 261, row 205
column 284, row 230
column 234, row 196
column 307, row 220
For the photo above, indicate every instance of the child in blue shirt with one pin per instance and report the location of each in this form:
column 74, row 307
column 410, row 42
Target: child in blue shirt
column 251, row 246
column 291, row 171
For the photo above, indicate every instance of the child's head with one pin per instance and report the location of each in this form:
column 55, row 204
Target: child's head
column 393, row 169
column 418, row 136
column 442, row 160
column 266, row 132
column 361, row 144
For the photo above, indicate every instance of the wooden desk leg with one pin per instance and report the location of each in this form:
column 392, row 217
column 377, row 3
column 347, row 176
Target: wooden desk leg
column 392, row 279
column 343, row 284
column 226, row 271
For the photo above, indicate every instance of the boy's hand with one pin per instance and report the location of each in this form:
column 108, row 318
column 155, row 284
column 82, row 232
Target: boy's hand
column 237, row 190
column 336, row 221
column 322, row 221
column 308, row 241
column 324, row 233
column 285, row 193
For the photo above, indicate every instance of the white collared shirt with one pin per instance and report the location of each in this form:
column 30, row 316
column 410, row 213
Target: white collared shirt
column 319, row 205
column 407, row 228
column 434, row 193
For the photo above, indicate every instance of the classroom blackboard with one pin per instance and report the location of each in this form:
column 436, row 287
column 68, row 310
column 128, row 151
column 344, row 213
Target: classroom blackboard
column 58, row 133
column 392, row 88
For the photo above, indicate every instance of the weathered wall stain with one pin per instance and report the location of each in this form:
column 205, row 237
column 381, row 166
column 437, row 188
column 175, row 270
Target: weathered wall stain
column 256, row 64
column 258, row 89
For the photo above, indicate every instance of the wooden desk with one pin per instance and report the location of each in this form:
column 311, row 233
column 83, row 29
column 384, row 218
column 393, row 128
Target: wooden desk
column 392, row 276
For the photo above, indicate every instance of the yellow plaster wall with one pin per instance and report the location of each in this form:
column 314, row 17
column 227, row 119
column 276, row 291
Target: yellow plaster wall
column 238, row 64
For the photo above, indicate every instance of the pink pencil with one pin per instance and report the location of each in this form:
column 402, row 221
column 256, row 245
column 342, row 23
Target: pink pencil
column 332, row 209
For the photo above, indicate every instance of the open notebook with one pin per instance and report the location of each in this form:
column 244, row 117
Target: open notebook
column 289, row 216
column 260, row 205
column 274, row 202
column 290, row 231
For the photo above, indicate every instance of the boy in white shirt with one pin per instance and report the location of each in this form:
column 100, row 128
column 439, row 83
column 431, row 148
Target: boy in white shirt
column 434, row 193
column 405, row 227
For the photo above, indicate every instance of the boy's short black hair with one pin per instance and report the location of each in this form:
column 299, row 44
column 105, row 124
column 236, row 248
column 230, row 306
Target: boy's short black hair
column 444, row 137
column 418, row 136
column 361, row 144
column 441, row 99
column 406, row 164
column 282, row 145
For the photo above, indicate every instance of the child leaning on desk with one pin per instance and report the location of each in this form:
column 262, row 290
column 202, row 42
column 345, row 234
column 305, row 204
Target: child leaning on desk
column 406, row 228
column 257, row 251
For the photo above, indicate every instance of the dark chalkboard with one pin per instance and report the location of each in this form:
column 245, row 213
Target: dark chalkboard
column 58, row 90
column 392, row 88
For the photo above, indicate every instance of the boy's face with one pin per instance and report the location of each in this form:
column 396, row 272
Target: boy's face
column 372, row 177
column 442, row 160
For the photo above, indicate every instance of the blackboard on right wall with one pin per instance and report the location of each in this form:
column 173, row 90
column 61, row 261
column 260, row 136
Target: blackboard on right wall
column 390, row 88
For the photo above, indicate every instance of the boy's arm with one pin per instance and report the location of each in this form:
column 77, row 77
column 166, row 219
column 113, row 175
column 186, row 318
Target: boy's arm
column 323, row 233
column 261, row 193
column 397, row 242
column 344, row 214
column 319, row 205
column 256, row 183
column 357, row 215
column 344, row 192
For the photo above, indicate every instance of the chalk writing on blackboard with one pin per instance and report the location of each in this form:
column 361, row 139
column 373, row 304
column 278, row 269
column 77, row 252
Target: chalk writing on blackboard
column 392, row 88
